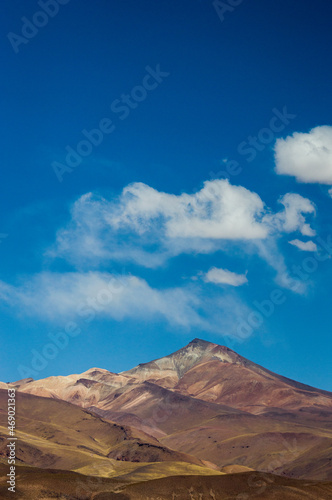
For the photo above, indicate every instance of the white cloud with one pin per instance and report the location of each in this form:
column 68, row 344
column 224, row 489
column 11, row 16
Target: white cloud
column 85, row 296
column 291, row 219
column 306, row 156
column 306, row 246
column 148, row 227
column 223, row 276
column 218, row 211
column 330, row 192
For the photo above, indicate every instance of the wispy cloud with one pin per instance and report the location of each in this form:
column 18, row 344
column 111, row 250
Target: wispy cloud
column 268, row 250
column 88, row 295
column 306, row 246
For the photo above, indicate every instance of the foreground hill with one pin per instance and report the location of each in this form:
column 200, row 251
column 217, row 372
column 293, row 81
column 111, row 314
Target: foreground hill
column 40, row 484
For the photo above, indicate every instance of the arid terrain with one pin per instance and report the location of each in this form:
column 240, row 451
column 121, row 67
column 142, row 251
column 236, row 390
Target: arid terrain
column 201, row 423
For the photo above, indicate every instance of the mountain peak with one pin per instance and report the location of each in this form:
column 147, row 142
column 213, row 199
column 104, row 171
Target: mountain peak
column 205, row 344
column 200, row 342
column 173, row 366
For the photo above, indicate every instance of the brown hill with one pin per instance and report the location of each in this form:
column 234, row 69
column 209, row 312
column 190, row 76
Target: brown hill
column 54, row 433
column 41, row 484
column 247, row 485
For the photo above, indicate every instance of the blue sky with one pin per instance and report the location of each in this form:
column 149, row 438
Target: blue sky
column 166, row 170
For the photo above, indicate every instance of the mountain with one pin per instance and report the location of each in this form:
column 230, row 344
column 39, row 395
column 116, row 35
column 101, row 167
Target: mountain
column 202, row 370
column 217, row 374
column 202, row 410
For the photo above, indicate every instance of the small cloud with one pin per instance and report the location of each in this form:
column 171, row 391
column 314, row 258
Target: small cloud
column 291, row 219
column 305, row 246
column 330, row 192
column 224, row 277
column 306, row 156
